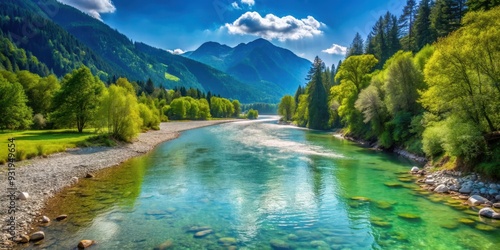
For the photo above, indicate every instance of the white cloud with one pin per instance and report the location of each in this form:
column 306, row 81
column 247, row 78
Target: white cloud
column 235, row 5
column 336, row 50
column 93, row 7
column 176, row 51
column 273, row 27
column 248, row 2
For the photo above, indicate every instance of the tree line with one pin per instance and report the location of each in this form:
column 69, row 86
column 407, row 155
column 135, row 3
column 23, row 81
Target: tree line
column 81, row 100
column 440, row 99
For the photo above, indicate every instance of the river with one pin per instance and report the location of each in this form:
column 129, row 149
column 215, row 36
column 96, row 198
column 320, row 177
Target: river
column 257, row 184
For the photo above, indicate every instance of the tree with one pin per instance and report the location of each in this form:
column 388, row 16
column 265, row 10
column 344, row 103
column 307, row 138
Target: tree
column 77, row 100
column 40, row 91
column 150, row 87
column 286, row 107
column 402, row 83
column 318, row 98
column 475, row 5
column 423, row 32
column 356, row 48
column 446, row 16
column 14, row 111
column 406, row 22
column 252, row 114
column 463, row 73
column 119, row 112
column 237, row 108
column 373, row 108
column 354, row 75
column 383, row 41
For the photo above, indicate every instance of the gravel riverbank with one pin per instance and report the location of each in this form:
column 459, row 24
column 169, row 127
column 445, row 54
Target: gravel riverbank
column 42, row 178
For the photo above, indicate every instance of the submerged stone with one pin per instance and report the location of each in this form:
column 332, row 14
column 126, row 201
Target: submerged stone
column 409, row 216
column 279, row 244
column 484, row 227
column 227, row 241
column 165, row 245
column 203, row 233
column 393, row 184
column 450, row 225
column 293, row 237
column 384, row 205
column 466, row 221
column 360, row 198
column 85, row 244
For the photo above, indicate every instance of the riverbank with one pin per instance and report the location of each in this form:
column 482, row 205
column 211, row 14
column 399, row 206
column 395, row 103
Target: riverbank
column 42, row 178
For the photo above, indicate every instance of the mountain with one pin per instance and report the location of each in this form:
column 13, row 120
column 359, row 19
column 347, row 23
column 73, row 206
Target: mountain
column 259, row 62
column 64, row 38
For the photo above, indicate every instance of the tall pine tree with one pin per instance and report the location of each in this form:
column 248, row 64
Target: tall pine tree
column 423, row 32
column 318, row 98
column 356, row 47
column 406, row 22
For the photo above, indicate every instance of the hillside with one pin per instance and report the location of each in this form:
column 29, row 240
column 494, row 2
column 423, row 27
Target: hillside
column 259, row 62
column 67, row 38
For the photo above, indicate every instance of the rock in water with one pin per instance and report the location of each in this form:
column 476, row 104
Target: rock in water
column 89, row 175
column 441, row 189
column 74, row 180
column 203, row 233
column 279, row 244
column 489, row 213
column 227, row 241
column 476, row 200
column 36, row 236
column 165, row 245
column 414, row 169
column 61, row 217
column 45, row 219
column 465, row 190
column 196, row 229
column 85, row 243
column 23, row 196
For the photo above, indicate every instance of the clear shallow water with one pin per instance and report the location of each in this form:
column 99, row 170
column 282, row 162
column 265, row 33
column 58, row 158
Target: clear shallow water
column 257, row 182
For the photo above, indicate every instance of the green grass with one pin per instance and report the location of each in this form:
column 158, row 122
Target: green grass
column 32, row 143
column 172, row 77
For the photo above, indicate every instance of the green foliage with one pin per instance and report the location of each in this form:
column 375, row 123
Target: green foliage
column 14, row 112
column 39, row 122
column 39, row 90
column 237, row 108
column 432, row 139
column 402, row 83
column 301, row 116
column 263, row 108
column 221, row 107
column 77, row 101
column 119, row 112
column 355, row 75
column 475, row 5
column 373, row 108
column 189, row 108
column 286, row 108
column 463, row 73
column 424, row 34
column 252, row 114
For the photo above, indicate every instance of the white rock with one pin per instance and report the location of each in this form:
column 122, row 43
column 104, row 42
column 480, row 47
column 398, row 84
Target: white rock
column 489, row 213
column 430, row 181
column 414, row 169
column 74, row 179
column 23, row 196
column 441, row 189
column 45, row 219
column 476, row 200
column 493, row 186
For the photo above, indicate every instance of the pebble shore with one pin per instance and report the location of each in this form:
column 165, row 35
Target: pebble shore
column 42, row 178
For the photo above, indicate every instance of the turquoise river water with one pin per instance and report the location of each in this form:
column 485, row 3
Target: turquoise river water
column 259, row 185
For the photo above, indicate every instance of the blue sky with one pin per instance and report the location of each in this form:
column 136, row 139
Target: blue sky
column 306, row 27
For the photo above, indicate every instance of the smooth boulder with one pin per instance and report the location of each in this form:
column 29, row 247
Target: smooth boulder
column 36, row 236
column 414, row 169
column 23, row 196
column 203, row 233
column 85, row 243
column 476, row 200
column 441, row 189
column 489, row 213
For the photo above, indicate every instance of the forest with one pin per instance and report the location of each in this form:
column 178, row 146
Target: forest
column 427, row 82
column 119, row 108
